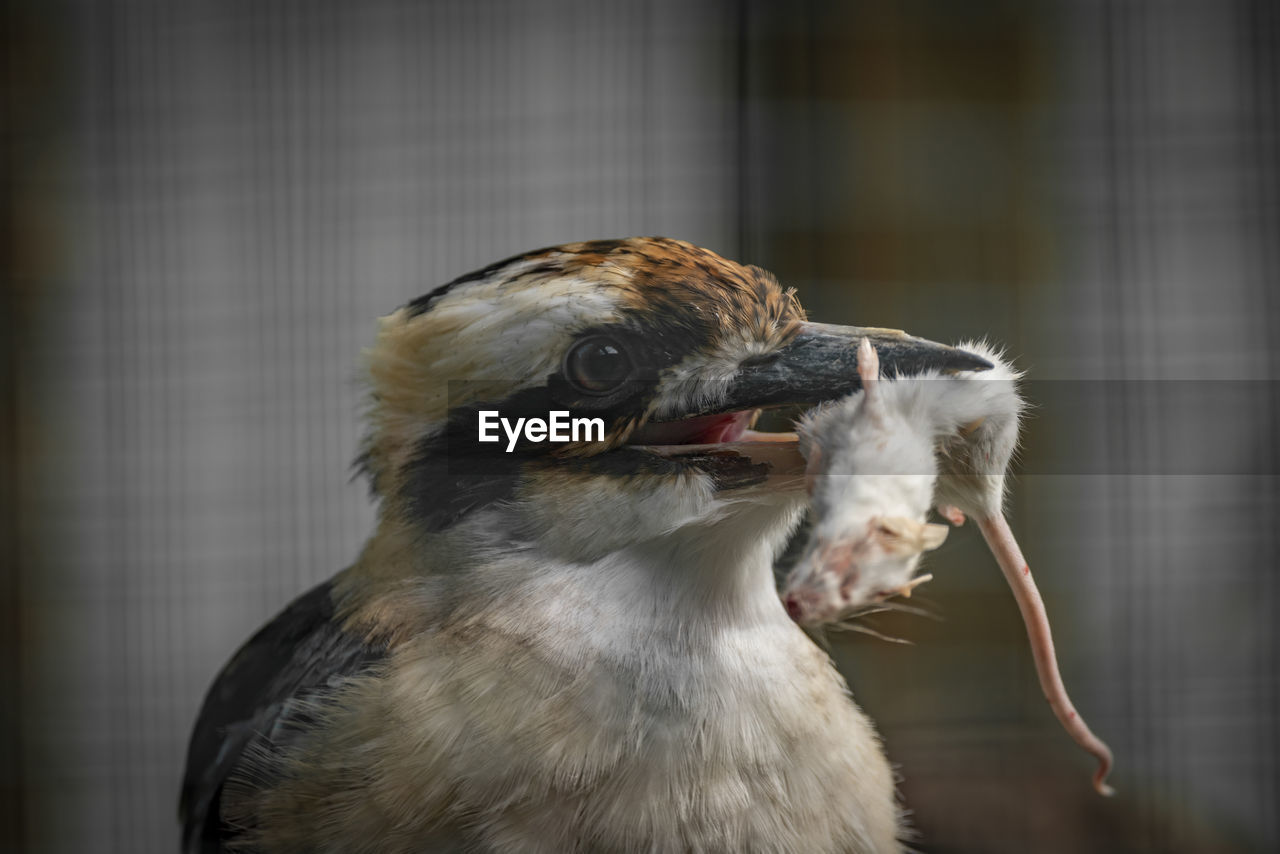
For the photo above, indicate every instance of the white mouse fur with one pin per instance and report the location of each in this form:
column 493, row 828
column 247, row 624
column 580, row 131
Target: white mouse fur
column 977, row 415
column 874, row 460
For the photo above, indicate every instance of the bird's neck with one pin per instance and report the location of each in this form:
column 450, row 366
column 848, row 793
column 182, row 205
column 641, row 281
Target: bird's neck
column 717, row 571
column 713, row 572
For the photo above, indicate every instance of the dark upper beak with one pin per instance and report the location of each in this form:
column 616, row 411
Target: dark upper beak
column 821, row 363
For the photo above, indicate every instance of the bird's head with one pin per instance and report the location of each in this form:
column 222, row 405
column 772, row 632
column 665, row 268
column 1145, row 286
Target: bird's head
column 673, row 348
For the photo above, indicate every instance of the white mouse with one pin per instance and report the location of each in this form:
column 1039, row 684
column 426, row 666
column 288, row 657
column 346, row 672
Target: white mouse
column 870, row 476
column 877, row 461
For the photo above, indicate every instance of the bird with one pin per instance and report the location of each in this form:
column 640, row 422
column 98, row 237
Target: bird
column 572, row 644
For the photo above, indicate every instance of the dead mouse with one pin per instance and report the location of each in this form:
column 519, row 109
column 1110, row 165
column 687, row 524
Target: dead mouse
column 877, row 461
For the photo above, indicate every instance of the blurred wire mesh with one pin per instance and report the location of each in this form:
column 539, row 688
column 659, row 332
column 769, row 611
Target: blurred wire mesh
column 211, row 202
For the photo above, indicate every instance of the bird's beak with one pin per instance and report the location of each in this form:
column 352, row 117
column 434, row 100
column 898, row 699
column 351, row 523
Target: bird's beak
column 821, row 363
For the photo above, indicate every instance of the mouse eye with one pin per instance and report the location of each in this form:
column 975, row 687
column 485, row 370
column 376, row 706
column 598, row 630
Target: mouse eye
column 597, row 364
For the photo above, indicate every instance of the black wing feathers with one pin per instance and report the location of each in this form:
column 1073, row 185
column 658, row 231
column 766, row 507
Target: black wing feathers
column 299, row 653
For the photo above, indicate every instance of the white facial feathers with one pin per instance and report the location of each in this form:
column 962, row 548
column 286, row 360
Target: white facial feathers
column 508, row 332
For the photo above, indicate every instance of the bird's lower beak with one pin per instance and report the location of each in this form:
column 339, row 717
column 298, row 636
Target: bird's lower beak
column 821, row 363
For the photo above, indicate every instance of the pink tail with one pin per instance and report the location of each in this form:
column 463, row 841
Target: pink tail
column 1005, row 548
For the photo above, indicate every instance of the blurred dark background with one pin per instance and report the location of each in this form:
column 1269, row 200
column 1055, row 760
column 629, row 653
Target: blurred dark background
column 207, row 204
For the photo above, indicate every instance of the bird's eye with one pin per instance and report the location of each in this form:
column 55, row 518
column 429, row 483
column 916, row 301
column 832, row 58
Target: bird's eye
column 597, row 365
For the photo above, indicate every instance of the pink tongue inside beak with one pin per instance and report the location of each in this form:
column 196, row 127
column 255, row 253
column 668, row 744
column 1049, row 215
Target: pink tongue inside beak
column 704, row 430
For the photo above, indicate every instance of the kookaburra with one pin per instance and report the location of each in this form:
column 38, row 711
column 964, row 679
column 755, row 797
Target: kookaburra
column 568, row 646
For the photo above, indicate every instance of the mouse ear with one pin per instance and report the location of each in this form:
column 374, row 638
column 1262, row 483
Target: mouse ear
column 933, row 536
column 904, row 537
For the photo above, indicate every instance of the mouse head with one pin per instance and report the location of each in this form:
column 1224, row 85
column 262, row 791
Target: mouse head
column 864, row 567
